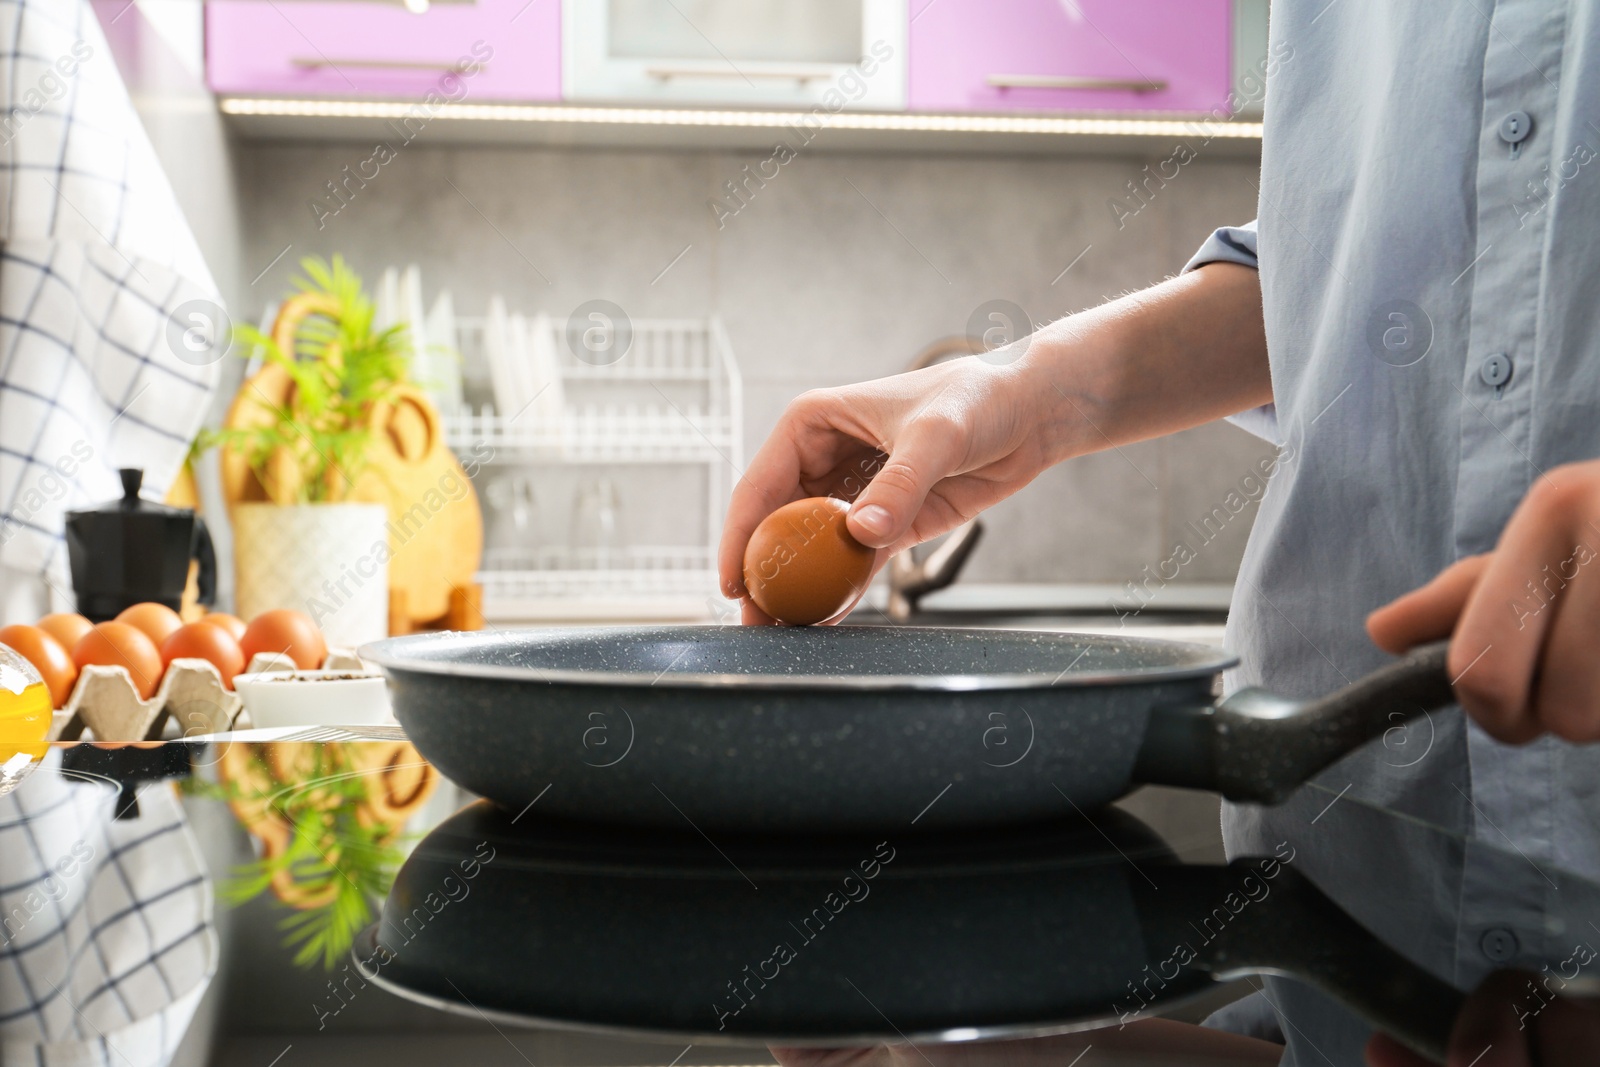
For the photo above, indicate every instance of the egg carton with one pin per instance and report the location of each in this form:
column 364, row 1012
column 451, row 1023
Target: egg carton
column 191, row 693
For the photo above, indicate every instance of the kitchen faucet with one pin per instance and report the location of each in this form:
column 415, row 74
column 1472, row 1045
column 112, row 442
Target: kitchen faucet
column 910, row 579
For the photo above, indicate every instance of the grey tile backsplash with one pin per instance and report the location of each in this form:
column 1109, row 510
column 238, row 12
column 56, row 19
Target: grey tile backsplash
column 839, row 269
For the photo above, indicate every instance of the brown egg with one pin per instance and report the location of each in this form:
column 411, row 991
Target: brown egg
column 802, row 566
column 36, row 645
column 116, row 644
column 156, row 620
column 66, row 628
column 207, row 641
column 288, row 633
column 231, row 623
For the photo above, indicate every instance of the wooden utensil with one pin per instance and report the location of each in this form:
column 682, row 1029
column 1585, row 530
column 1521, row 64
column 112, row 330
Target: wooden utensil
column 435, row 523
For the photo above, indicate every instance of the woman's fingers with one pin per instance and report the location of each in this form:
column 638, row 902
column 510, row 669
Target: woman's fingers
column 750, row 615
column 772, row 480
column 1512, row 615
column 1522, row 619
column 885, row 446
column 1427, row 613
column 1566, row 687
column 926, row 453
column 751, row 502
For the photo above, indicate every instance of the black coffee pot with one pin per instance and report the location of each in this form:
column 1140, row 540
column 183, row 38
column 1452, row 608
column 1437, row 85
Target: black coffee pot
column 128, row 551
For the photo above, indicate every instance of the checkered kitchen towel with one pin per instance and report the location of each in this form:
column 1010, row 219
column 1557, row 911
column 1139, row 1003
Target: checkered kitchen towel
column 106, row 935
column 99, row 282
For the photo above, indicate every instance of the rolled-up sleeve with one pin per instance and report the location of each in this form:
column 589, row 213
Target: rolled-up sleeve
column 1237, row 244
column 1231, row 244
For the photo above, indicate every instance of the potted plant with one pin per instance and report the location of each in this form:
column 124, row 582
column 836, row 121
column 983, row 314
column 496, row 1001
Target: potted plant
column 308, row 532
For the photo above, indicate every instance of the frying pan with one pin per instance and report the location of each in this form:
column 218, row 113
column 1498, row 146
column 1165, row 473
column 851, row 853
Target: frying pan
column 826, row 729
column 928, row 937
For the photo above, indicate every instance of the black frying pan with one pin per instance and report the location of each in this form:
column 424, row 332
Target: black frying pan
column 837, row 728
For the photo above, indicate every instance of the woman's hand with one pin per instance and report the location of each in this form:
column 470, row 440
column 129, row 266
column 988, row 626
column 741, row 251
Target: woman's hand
column 1523, row 620
column 919, row 454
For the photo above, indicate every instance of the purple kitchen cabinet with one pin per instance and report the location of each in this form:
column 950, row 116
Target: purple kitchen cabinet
column 360, row 48
column 1069, row 55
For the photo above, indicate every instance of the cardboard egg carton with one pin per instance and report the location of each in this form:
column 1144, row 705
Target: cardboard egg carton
column 191, row 693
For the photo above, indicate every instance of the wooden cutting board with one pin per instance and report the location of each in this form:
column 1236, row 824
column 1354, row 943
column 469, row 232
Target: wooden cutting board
column 435, row 523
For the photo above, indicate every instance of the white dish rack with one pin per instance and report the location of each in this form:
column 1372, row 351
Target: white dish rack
column 599, row 433
column 678, row 400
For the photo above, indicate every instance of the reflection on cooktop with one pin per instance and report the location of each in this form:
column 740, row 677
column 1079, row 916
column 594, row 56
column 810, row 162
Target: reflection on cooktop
column 235, row 897
column 925, row 937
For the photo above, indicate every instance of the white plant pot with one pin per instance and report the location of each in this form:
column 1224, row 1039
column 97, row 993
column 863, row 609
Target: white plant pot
column 330, row 561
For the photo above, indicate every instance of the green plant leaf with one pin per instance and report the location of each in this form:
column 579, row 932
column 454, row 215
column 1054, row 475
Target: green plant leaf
column 341, row 369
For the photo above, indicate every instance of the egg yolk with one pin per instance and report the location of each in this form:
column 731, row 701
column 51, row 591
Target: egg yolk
column 24, row 722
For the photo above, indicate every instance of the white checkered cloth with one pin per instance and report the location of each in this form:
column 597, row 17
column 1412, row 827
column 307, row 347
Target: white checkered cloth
column 106, row 934
column 95, row 259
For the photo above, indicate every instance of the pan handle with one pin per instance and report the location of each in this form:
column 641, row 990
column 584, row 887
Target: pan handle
column 1255, row 746
column 1292, row 928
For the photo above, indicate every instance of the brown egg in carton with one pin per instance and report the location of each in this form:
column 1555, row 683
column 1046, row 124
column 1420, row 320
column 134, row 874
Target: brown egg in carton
column 106, row 701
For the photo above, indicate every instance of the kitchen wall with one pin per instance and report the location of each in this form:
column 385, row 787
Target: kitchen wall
column 837, row 270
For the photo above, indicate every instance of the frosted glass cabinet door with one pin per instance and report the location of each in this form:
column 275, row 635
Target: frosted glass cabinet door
column 362, row 48
column 1069, row 55
column 759, row 53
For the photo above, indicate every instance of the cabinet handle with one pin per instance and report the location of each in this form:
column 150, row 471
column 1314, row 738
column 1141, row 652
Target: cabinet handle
column 796, row 74
column 318, row 63
column 1054, row 81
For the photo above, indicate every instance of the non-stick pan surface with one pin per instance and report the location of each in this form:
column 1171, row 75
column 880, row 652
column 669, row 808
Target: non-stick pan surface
column 826, row 729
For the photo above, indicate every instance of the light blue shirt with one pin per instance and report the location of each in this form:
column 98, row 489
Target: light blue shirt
column 1428, row 237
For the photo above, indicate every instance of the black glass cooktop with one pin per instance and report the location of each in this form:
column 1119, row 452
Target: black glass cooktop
column 379, row 882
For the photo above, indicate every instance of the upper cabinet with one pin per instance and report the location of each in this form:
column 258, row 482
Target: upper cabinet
column 1070, row 55
column 771, row 53
column 942, row 56
column 460, row 51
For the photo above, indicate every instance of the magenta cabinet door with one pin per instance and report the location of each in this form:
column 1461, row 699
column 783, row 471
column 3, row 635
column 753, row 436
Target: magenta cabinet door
column 362, row 48
column 1069, row 55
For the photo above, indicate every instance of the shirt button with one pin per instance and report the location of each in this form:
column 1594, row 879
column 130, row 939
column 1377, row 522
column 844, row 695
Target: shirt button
column 1515, row 126
column 1499, row 944
column 1496, row 370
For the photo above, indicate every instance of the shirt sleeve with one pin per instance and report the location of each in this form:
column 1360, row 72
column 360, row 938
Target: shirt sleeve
column 1237, row 244
column 1231, row 244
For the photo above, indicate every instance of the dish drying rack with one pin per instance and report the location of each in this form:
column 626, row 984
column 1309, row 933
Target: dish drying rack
column 696, row 420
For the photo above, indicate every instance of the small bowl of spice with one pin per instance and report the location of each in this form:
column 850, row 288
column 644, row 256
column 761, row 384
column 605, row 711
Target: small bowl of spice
column 315, row 698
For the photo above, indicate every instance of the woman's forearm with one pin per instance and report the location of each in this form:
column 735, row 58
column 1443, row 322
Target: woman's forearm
column 1179, row 354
